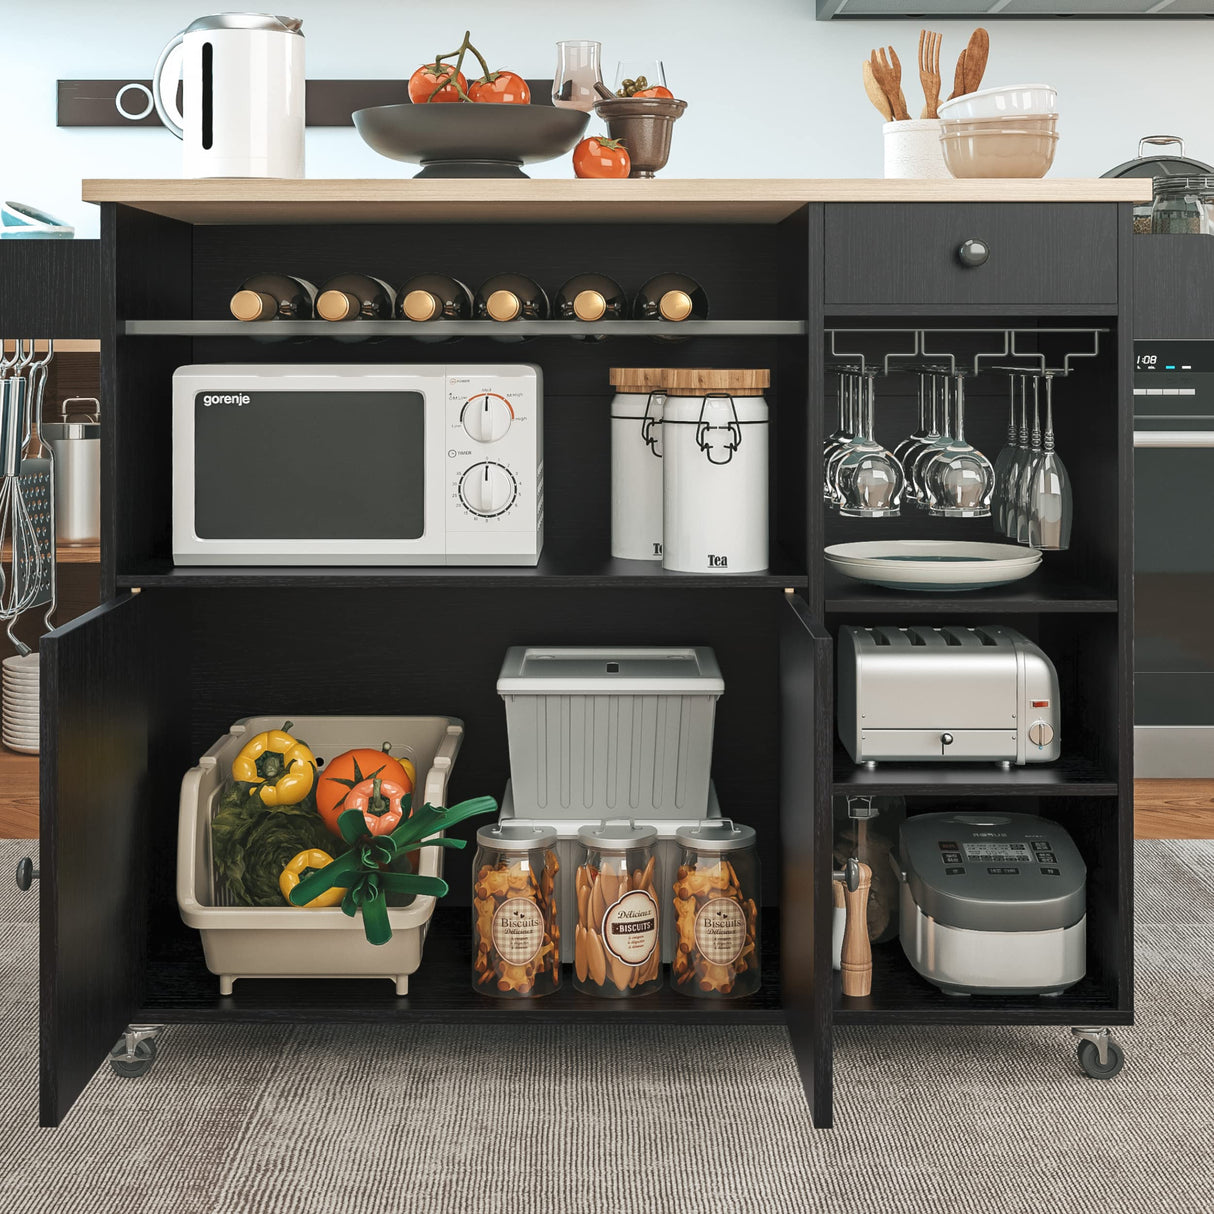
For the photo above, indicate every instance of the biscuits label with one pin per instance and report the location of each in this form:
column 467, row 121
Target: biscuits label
column 630, row 927
column 518, row 930
column 720, row 931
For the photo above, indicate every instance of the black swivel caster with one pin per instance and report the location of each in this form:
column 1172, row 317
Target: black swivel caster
column 135, row 1051
column 27, row 874
column 1099, row 1055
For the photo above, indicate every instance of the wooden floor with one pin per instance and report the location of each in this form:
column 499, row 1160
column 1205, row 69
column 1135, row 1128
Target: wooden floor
column 1163, row 809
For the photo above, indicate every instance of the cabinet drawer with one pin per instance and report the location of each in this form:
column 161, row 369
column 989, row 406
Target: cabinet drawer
column 910, row 253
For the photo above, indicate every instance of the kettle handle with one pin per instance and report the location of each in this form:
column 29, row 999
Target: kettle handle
column 170, row 115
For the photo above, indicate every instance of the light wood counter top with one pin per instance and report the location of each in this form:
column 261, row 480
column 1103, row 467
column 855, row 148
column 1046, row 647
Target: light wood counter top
column 396, row 200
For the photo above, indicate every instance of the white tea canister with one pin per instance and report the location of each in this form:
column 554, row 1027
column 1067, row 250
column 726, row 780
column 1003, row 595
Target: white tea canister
column 714, row 454
column 636, row 462
column 912, row 149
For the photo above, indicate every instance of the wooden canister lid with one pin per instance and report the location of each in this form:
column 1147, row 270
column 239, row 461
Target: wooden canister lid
column 634, row 380
column 696, row 381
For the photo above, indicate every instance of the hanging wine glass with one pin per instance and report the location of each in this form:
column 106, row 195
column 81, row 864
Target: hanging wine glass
column 1024, row 502
column 844, row 430
column 959, row 479
column 1050, row 499
column 906, row 449
column 1006, row 458
column 938, row 437
column 869, row 479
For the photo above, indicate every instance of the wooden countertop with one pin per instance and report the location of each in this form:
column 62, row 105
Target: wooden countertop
column 671, row 200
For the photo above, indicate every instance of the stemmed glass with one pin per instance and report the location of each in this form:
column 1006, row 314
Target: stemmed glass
column 906, row 450
column 1023, row 500
column 836, row 444
column 938, row 436
column 1049, row 502
column 959, row 479
column 869, row 479
column 1006, row 459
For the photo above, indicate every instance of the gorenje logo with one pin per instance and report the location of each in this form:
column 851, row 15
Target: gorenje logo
column 226, row 398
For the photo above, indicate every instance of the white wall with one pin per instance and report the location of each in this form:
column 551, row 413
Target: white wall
column 772, row 92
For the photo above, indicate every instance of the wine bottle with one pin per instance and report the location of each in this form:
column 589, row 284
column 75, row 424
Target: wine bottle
column 355, row 297
column 671, row 297
column 273, row 297
column 590, row 297
column 434, row 297
column 507, row 297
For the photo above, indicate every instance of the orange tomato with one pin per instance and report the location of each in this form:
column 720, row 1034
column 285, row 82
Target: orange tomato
column 656, row 91
column 431, row 76
column 504, row 88
column 347, row 771
column 597, row 157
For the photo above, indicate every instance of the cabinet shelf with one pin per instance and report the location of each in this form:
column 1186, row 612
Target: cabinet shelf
column 900, row 996
column 467, row 328
column 441, row 991
column 1070, row 776
column 552, row 571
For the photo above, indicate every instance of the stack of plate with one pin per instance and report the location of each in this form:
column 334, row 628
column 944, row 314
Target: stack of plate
column 19, row 705
column 937, row 565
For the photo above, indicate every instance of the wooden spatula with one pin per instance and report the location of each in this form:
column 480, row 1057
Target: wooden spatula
column 875, row 95
column 976, row 55
column 958, row 78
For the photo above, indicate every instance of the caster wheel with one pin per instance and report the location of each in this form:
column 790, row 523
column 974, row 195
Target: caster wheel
column 1089, row 1059
column 132, row 1068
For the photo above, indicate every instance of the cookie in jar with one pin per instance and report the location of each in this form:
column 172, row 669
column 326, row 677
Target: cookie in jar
column 716, row 908
column 515, row 934
column 617, row 951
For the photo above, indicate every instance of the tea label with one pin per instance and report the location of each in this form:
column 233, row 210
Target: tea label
column 630, row 927
column 518, row 930
column 720, row 931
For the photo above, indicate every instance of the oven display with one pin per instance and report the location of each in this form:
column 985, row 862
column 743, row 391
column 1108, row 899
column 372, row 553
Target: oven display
column 989, row 851
column 331, row 465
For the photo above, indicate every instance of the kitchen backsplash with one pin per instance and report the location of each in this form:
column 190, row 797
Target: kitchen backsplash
column 775, row 93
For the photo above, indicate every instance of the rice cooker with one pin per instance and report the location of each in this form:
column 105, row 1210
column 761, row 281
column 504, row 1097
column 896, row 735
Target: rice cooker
column 992, row 903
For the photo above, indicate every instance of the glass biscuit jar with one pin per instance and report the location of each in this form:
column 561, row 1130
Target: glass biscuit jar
column 516, row 936
column 716, row 908
column 617, row 950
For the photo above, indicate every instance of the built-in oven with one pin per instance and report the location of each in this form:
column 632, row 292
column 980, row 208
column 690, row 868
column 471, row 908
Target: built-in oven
column 1174, row 558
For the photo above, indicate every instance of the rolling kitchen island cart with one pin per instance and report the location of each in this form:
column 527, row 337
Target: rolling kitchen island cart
column 136, row 690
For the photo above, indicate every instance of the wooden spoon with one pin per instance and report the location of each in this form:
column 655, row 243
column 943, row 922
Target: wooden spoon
column 976, row 55
column 875, row 95
column 958, row 78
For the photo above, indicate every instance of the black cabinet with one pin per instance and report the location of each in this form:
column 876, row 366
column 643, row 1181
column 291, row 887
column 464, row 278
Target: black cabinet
column 137, row 690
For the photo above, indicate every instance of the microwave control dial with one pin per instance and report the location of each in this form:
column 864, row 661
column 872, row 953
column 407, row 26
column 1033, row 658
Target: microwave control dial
column 486, row 417
column 1041, row 734
column 487, row 489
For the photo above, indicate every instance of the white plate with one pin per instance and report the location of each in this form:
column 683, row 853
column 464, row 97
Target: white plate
column 16, row 662
column 18, row 740
column 14, row 693
column 21, row 748
column 933, row 565
column 19, row 712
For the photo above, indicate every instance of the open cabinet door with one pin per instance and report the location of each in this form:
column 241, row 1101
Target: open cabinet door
column 94, row 792
column 806, row 910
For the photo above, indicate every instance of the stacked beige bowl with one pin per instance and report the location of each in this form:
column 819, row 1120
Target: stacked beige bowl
column 19, row 704
column 1000, row 132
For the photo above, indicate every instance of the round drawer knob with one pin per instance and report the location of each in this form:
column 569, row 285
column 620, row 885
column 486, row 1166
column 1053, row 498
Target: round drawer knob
column 27, row 874
column 974, row 253
column 946, row 739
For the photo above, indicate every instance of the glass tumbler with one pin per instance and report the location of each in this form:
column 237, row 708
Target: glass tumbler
column 578, row 70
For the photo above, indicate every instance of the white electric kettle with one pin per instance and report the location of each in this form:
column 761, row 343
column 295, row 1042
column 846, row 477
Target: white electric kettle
column 242, row 92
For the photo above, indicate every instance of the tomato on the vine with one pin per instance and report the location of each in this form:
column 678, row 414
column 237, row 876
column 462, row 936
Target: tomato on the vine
column 502, row 87
column 656, row 91
column 598, row 157
column 429, row 77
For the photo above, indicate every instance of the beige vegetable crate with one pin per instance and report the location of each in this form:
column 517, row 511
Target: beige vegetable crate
column 265, row 942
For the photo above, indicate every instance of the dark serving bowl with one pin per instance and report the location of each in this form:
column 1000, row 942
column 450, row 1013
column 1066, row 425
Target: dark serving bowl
column 462, row 139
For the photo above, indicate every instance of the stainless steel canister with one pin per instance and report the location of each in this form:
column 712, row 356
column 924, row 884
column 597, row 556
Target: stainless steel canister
column 76, row 444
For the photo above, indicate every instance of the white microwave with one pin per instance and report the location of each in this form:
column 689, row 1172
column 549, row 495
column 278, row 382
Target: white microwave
column 389, row 464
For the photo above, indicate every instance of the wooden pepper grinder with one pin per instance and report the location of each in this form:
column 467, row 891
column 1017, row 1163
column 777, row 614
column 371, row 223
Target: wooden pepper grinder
column 857, row 961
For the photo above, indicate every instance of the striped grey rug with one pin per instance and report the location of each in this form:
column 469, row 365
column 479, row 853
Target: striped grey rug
column 454, row 1120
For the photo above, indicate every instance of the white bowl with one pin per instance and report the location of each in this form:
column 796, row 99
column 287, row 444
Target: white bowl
column 1002, row 102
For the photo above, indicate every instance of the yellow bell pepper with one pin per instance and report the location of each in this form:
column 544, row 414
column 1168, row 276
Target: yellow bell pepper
column 281, row 769
column 293, row 874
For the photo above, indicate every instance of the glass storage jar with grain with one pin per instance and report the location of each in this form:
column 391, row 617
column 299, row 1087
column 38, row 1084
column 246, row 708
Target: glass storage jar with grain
column 716, row 907
column 617, row 939
column 516, row 941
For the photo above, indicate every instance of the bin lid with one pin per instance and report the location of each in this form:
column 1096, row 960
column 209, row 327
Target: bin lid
column 585, row 670
column 696, row 381
column 616, row 836
column 718, row 835
column 516, row 836
column 635, row 380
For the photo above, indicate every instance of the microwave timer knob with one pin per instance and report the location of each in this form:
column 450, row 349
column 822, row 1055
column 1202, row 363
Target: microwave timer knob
column 1041, row 734
column 486, row 417
column 487, row 489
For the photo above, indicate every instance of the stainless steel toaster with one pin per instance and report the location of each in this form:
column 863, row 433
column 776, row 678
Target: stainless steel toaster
column 946, row 694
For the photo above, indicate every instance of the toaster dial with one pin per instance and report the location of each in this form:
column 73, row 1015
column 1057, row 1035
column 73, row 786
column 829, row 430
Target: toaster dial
column 1041, row 734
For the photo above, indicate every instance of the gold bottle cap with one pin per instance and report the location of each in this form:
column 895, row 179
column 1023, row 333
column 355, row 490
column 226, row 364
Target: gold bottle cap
column 589, row 305
column 336, row 305
column 503, row 305
column 421, row 305
column 253, row 305
column 674, row 305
